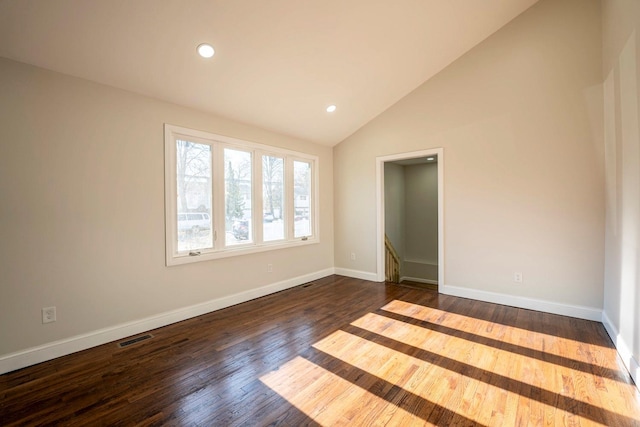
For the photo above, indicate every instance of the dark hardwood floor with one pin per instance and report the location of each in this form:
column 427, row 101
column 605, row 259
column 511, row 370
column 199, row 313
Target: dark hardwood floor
column 339, row 351
column 419, row 285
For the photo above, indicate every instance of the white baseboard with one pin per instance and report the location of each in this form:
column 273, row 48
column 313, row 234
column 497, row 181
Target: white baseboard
column 356, row 274
column 417, row 261
column 418, row 280
column 42, row 353
column 580, row 312
column 630, row 362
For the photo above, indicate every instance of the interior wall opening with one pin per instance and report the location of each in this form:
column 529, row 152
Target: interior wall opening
column 410, row 218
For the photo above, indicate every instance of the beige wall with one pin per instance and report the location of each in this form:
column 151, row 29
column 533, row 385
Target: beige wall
column 82, row 210
column 421, row 215
column 520, row 121
column 421, row 222
column 394, row 207
column 621, row 71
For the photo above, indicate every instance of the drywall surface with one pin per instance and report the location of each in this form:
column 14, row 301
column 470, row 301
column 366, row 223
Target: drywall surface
column 519, row 118
column 82, row 212
column 621, row 69
column 421, row 218
column 394, row 207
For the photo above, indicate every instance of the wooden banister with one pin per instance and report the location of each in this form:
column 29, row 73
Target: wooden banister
column 392, row 262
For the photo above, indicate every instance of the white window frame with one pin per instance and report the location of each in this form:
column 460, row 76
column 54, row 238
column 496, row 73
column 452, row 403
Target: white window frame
column 218, row 143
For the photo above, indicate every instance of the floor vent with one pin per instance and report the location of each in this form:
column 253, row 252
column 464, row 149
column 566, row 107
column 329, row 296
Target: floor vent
column 134, row 340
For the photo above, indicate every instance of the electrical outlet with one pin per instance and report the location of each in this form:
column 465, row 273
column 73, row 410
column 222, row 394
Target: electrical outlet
column 517, row 277
column 269, row 268
column 353, row 256
column 48, row 314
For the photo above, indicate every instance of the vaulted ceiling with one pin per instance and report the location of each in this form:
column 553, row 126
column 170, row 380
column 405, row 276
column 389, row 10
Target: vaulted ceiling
column 278, row 63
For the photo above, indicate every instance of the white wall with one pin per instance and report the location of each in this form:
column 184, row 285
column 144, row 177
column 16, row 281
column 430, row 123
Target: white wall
column 421, row 221
column 82, row 215
column 394, row 207
column 520, row 120
column 621, row 71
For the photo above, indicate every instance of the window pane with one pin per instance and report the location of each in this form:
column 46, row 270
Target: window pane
column 194, row 196
column 302, row 198
column 272, row 198
column 237, row 173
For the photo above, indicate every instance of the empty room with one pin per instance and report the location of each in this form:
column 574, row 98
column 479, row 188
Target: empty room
column 315, row 213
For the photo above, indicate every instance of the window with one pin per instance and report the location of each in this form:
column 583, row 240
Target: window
column 193, row 184
column 237, row 193
column 227, row 197
column 302, row 193
column 273, row 198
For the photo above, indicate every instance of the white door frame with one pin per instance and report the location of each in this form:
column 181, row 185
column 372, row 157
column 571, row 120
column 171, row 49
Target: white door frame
column 380, row 161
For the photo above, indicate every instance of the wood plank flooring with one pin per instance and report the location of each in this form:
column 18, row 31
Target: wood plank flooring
column 339, row 351
column 419, row 285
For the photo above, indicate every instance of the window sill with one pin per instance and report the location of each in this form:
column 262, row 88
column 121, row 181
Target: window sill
column 210, row 255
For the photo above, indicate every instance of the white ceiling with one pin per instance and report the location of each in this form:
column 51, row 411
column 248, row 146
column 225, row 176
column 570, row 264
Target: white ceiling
column 278, row 63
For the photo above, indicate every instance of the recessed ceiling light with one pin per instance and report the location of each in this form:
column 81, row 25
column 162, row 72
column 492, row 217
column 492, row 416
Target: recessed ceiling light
column 205, row 50
column 431, row 158
column 331, row 108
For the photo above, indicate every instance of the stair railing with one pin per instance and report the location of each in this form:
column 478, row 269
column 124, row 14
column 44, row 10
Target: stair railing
column 392, row 262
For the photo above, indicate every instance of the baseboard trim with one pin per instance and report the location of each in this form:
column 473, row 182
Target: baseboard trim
column 630, row 362
column 580, row 312
column 415, row 261
column 21, row 359
column 419, row 280
column 356, row 274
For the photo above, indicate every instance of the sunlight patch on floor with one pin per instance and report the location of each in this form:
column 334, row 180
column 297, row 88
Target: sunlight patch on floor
column 429, row 381
column 467, row 355
column 329, row 399
column 380, row 370
column 547, row 342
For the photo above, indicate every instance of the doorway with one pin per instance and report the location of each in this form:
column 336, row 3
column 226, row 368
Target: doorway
column 423, row 258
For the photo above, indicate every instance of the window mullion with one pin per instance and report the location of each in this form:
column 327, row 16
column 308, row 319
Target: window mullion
column 171, row 184
column 311, row 216
column 315, row 198
column 256, row 185
column 218, row 197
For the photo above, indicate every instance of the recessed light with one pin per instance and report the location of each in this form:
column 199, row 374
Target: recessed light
column 205, row 50
column 331, row 108
column 431, row 158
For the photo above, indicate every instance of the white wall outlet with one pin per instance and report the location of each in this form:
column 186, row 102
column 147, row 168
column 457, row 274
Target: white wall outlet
column 269, row 268
column 517, row 277
column 353, row 256
column 48, row 314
